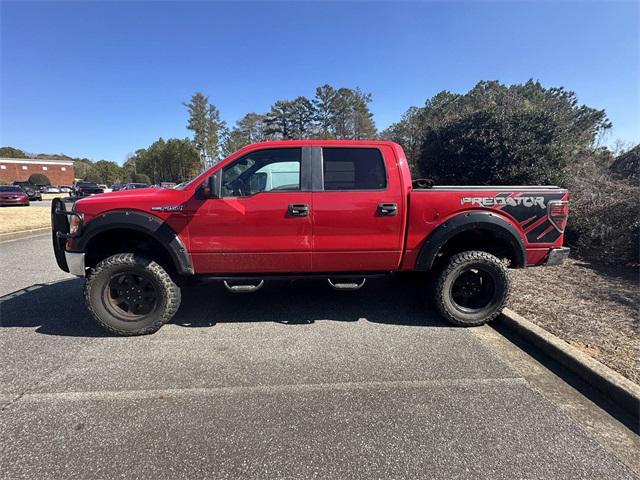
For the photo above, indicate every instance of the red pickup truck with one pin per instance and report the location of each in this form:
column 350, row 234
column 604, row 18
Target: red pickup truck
column 341, row 210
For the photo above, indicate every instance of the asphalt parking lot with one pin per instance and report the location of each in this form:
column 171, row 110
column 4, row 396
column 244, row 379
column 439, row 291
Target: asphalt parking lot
column 295, row 381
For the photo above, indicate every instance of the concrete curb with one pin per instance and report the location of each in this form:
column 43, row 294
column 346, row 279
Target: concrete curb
column 23, row 233
column 617, row 388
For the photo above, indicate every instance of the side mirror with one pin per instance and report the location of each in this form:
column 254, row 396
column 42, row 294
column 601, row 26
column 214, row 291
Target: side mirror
column 212, row 186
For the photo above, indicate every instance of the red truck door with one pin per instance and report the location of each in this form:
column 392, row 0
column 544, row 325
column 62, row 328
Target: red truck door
column 262, row 223
column 358, row 210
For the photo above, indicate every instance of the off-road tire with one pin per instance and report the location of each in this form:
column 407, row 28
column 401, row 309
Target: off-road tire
column 99, row 278
column 443, row 298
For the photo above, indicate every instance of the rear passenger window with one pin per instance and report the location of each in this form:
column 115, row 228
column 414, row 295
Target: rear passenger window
column 353, row 169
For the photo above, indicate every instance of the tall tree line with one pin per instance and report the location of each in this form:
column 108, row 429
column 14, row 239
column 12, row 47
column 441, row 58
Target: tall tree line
column 341, row 113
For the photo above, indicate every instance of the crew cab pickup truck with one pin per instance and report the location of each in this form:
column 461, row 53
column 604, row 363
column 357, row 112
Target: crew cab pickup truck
column 341, row 210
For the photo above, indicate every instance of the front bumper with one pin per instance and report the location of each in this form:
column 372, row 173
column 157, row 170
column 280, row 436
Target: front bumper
column 14, row 201
column 557, row 256
column 75, row 263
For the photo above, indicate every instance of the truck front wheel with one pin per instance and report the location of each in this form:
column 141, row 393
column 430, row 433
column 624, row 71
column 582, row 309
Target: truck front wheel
column 131, row 295
column 472, row 288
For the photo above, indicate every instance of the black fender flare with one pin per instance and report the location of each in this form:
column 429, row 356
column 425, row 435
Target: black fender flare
column 141, row 222
column 481, row 220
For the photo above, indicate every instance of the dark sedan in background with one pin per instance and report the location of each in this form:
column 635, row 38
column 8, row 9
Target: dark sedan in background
column 13, row 195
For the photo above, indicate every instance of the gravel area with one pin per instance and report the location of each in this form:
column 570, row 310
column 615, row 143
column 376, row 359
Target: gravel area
column 594, row 308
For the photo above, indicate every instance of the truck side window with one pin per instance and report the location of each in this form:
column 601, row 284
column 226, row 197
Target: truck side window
column 353, row 169
column 276, row 169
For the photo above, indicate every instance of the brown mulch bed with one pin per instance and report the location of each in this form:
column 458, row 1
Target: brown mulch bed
column 596, row 309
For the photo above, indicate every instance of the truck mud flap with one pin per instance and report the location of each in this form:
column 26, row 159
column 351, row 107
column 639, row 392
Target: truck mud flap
column 59, row 225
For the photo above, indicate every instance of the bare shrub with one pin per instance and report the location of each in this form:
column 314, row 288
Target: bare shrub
column 604, row 221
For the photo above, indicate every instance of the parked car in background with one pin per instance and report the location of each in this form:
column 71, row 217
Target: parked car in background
column 41, row 188
column 116, row 186
column 84, row 189
column 135, row 186
column 167, row 184
column 30, row 189
column 51, row 189
column 65, row 188
column 13, row 195
column 104, row 188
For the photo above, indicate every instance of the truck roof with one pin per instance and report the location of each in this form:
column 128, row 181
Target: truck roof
column 318, row 143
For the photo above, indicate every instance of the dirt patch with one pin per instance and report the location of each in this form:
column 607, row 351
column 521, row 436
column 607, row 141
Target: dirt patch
column 17, row 219
column 595, row 309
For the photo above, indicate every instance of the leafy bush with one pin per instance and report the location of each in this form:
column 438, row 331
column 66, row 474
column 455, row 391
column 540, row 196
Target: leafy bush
column 39, row 179
column 497, row 134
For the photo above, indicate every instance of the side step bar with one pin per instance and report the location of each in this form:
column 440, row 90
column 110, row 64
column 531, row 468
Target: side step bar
column 243, row 288
column 253, row 284
column 346, row 285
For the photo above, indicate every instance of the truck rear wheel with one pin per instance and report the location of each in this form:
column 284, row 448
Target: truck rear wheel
column 131, row 295
column 472, row 288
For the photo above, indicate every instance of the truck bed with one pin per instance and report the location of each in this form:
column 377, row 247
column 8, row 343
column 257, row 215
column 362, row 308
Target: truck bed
column 523, row 206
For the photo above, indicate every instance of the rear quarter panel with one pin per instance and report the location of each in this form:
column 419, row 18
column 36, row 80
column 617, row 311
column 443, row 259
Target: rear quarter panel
column 524, row 207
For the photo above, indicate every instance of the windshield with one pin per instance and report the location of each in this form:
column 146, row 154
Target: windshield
column 10, row 189
column 183, row 185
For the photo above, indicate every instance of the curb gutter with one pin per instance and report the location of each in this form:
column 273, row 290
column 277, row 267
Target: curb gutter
column 616, row 387
column 23, row 233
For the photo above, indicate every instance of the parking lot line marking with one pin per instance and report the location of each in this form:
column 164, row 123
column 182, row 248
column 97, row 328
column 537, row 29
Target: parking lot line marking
column 224, row 391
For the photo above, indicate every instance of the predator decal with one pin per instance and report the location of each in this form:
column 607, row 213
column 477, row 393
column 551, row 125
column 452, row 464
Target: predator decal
column 505, row 201
column 529, row 209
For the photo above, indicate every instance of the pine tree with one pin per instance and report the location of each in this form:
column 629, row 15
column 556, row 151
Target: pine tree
column 278, row 122
column 208, row 128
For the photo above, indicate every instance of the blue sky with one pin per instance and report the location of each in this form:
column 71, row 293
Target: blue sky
column 102, row 79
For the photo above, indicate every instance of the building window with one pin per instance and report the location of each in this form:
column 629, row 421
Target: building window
column 64, row 169
column 24, row 167
column 3, row 167
column 44, row 168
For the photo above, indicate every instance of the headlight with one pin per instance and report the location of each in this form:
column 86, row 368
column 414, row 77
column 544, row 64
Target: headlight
column 75, row 221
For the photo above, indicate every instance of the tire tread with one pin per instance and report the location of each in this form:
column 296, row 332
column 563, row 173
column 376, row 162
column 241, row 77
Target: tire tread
column 455, row 262
column 170, row 290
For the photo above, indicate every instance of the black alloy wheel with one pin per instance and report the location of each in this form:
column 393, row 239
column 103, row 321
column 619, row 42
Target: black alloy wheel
column 473, row 289
column 130, row 295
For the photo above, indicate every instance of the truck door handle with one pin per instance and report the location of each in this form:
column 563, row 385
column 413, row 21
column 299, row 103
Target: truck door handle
column 387, row 210
column 298, row 210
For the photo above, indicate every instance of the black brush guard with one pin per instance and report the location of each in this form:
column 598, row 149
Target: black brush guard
column 61, row 209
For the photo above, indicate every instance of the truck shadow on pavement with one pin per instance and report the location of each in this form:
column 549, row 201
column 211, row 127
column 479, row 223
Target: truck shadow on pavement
column 58, row 308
